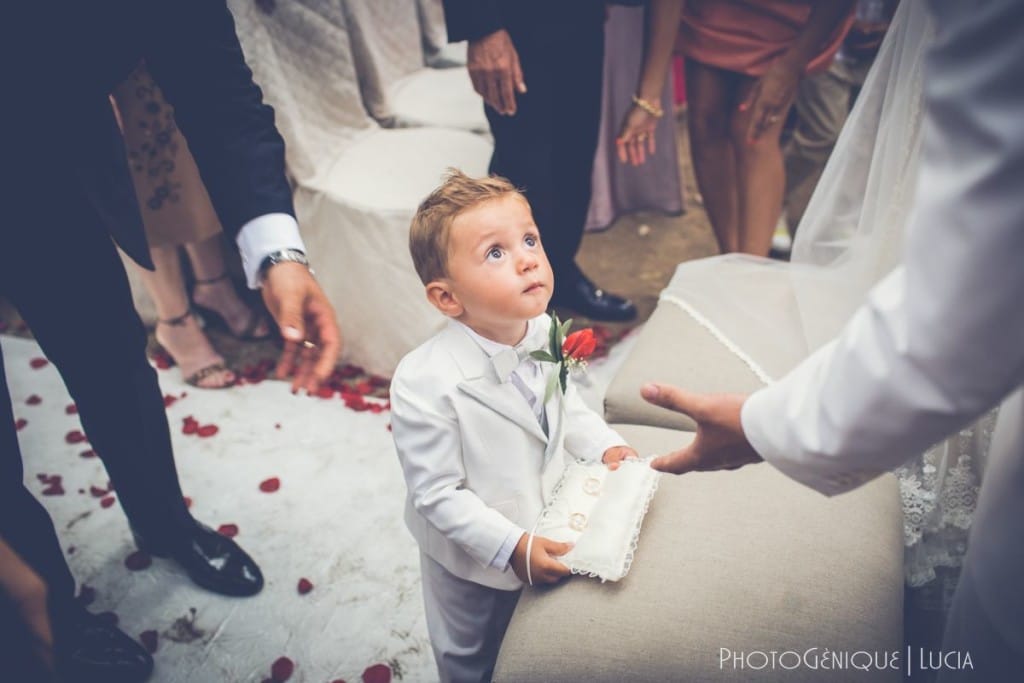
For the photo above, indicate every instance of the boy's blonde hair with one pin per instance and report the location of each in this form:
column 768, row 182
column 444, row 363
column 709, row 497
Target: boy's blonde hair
column 431, row 226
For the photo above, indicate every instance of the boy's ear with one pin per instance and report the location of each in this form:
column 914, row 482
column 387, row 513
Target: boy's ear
column 439, row 293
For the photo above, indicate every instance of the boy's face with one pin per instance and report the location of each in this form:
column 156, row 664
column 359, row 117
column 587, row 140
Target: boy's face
column 498, row 274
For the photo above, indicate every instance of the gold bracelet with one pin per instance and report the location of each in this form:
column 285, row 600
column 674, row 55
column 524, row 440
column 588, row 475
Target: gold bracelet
column 652, row 109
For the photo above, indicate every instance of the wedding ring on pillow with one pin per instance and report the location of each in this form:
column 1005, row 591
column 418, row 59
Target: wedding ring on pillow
column 577, row 521
column 592, row 486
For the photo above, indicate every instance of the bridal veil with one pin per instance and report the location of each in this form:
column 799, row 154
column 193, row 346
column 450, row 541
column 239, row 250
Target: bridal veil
column 773, row 314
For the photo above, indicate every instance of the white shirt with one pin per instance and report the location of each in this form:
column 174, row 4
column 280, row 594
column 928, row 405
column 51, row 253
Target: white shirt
column 262, row 236
column 529, row 373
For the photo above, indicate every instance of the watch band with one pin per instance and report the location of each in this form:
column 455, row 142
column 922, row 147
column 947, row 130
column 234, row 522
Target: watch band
column 282, row 256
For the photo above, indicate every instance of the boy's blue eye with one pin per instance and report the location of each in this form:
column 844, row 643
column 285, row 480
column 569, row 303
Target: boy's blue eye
column 494, row 253
column 531, row 241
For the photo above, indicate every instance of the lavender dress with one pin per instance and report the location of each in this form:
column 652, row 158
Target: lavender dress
column 617, row 187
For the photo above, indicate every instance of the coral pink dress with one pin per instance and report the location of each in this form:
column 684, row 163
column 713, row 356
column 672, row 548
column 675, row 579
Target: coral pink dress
column 746, row 36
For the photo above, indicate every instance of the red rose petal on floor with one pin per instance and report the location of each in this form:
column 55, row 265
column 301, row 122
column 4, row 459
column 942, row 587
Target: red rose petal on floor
column 75, row 436
column 188, row 501
column 229, row 530
column 109, row 618
column 54, row 487
column 282, row 669
column 71, row 550
column 97, row 492
column 107, row 502
column 277, row 426
column 71, row 409
column 378, row 673
column 37, row 363
column 88, row 454
column 168, row 402
column 138, row 561
column 338, row 680
column 364, row 387
column 207, row 430
column 148, row 639
column 33, row 400
column 305, row 585
column 86, row 594
column 389, row 426
column 19, row 424
column 270, row 485
column 189, row 425
column 325, row 392
column 162, row 360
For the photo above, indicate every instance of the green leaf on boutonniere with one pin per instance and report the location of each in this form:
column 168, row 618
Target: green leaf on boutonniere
column 562, row 331
column 554, row 343
column 543, row 355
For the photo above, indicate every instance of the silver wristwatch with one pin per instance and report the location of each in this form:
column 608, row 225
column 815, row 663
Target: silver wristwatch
column 281, row 256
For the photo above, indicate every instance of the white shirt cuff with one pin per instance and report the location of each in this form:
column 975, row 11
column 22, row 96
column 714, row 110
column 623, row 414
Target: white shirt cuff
column 501, row 560
column 598, row 443
column 262, row 236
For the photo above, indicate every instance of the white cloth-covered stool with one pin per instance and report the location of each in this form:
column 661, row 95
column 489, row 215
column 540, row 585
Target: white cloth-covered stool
column 437, row 51
column 398, row 87
column 357, row 185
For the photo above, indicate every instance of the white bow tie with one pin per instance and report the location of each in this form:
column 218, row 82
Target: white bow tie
column 507, row 360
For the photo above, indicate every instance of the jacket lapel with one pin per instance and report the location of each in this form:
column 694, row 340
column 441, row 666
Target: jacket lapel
column 481, row 382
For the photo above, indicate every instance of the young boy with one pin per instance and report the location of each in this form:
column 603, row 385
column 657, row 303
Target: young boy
column 479, row 447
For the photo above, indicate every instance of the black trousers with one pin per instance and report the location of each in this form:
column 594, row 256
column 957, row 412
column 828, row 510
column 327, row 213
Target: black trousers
column 63, row 274
column 548, row 147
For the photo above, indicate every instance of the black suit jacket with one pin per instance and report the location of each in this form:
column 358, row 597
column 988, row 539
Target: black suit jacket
column 472, row 19
column 60, row 59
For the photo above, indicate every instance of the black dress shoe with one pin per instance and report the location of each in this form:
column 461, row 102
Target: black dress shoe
column 90, row 649
column 582, row 296
column 212, row 561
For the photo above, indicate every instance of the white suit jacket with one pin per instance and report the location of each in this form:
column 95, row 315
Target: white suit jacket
column 476, row 461
column 941, row 340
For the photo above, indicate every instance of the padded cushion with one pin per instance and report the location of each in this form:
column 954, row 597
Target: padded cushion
column 674, row 349
column 355, row 222
column 438, row 97
column 728, row 562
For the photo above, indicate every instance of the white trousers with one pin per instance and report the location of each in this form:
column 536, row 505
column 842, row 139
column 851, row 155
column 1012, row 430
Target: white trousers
column 466, row 622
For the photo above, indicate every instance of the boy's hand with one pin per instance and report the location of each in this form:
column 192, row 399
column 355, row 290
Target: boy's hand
column 614, row 456
column 544, row 568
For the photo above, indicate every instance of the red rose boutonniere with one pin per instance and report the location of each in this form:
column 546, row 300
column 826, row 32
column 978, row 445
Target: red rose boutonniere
column 567, row 352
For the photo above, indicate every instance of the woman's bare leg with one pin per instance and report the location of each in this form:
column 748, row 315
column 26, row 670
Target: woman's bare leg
column 215, row 291
column 710, row 101
column 184, row 339
column 761, row 176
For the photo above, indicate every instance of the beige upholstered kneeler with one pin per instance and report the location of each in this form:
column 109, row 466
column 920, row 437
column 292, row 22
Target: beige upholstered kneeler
column 731, row 566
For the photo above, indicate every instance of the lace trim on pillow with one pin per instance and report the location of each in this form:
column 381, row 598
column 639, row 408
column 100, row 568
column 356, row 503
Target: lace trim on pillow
column 719, row 335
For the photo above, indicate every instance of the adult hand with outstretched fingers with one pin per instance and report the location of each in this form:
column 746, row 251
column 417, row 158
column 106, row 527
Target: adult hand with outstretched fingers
column 719, row 444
